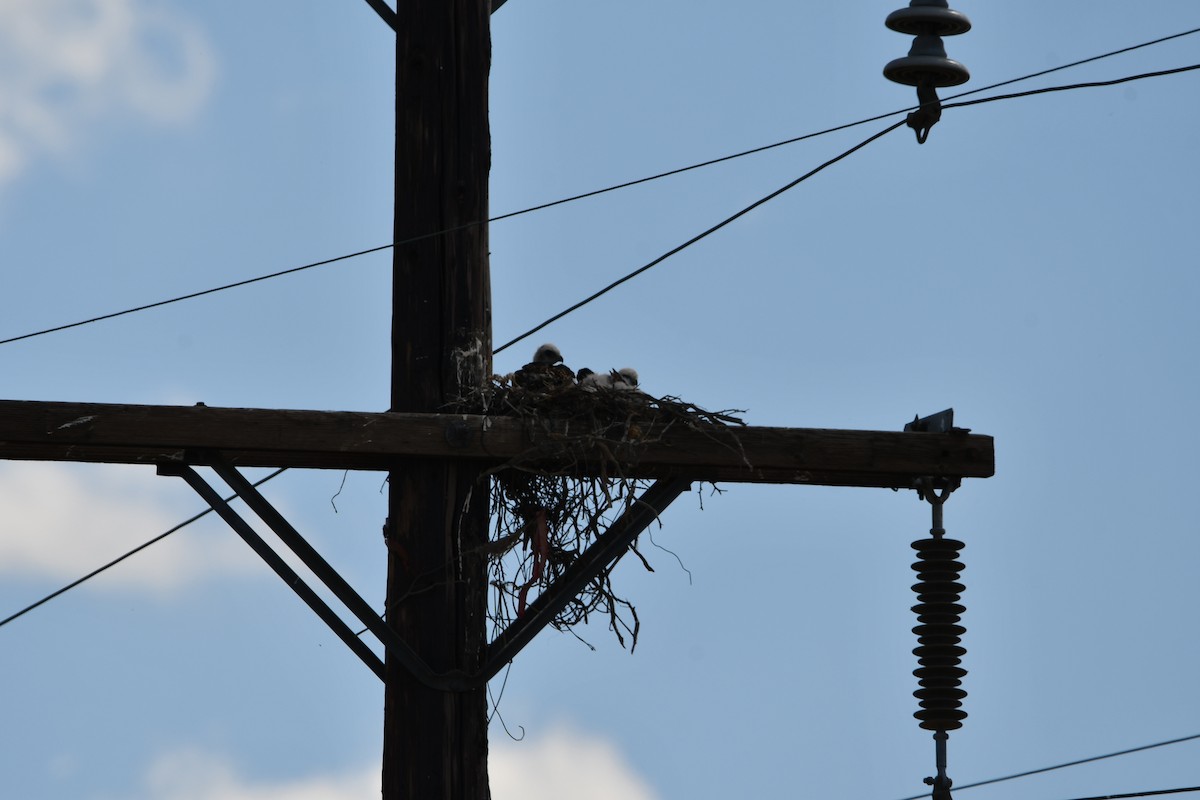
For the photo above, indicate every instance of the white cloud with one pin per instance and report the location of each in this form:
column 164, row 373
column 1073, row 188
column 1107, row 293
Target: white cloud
column 193, row 775
column 65, row 64
column 61, row 521
column 565, row 763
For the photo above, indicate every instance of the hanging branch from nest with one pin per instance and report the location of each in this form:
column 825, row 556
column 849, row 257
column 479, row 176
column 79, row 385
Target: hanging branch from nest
column 545, row 518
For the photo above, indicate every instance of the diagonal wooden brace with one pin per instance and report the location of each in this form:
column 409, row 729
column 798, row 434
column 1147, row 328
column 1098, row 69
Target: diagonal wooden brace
column 607, row 549
column 345, row 593
column 273, row 560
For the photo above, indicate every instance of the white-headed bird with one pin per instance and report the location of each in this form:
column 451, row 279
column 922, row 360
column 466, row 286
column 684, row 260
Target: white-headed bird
column 625, row 379
column 545, row 373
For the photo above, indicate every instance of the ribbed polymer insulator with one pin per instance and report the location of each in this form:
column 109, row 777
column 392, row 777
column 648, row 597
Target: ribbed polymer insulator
column 939, row 652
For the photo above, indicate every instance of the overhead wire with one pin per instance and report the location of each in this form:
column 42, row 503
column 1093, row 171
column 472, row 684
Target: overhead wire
column 1073, row 86
column 835, row 129
column 958, row 788
column 625, row 278
column 1078, row 63
column 530, row 332
column 193, row 295
column 698, row 237
column 119, row 559
column 1150, row 793
column 660, row 259
column 594, row 296
column 614, row 187
column 1064, row 765
column 635, row 273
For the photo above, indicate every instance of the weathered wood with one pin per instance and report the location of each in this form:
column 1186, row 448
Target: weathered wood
column 50, row 431
column 434, row 743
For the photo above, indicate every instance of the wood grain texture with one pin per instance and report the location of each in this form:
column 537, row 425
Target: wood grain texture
column 434, row 743
column 114, row 433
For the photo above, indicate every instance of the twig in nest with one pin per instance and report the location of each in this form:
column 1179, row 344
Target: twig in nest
column 545, row 518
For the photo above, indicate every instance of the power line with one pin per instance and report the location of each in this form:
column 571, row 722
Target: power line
column 876, row 118
column 1081, row 62
column 698, row 237
column 581, row 304
column 246, row 282
column 119, row 559
column 609, row 288
column 1064, row 765
column 718, row 226
column 615, row 187
column 1150, row 793
column 1072, row 86
column 508, row 344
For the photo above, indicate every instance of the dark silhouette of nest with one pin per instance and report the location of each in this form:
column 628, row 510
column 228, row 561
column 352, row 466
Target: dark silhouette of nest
column 545, row 516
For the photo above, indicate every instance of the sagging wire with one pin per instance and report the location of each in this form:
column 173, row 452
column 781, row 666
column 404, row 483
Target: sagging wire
column 718, row 226
column 1064, row 765
column 605, row 190
column 615, row 284
column 119, row 559
column 698, row 237
column 1149, row 793
column 1073, row 86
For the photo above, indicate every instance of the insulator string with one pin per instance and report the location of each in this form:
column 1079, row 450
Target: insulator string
column 939, row 633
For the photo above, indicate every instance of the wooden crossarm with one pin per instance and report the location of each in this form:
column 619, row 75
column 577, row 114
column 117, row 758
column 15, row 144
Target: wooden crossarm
column 128, row 434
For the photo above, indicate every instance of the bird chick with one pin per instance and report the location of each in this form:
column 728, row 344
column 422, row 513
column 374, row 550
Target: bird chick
column 591, row 381
column 625, row 379
column 548, row 354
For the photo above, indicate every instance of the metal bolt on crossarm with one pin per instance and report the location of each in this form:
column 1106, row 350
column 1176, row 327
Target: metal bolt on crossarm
column 926, row 66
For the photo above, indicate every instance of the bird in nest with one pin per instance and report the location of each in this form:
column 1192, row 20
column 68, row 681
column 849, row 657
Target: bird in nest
column 625, row 379
column 545, row 373
column 620, row 380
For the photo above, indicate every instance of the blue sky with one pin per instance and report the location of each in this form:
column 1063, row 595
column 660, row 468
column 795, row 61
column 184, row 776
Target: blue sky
column 1032, row 265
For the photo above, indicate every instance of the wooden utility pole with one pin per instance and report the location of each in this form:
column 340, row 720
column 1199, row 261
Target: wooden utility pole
column 435, row 742
column 435, row 739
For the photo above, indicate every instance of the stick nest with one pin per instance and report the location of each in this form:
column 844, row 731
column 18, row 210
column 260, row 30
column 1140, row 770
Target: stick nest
column 545, row 517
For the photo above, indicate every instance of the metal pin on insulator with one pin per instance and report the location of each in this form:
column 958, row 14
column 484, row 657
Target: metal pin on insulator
column 926, row 66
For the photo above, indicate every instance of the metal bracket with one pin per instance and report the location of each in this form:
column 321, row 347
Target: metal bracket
column 941, row 422
column 607, row 549
column 927, row 115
